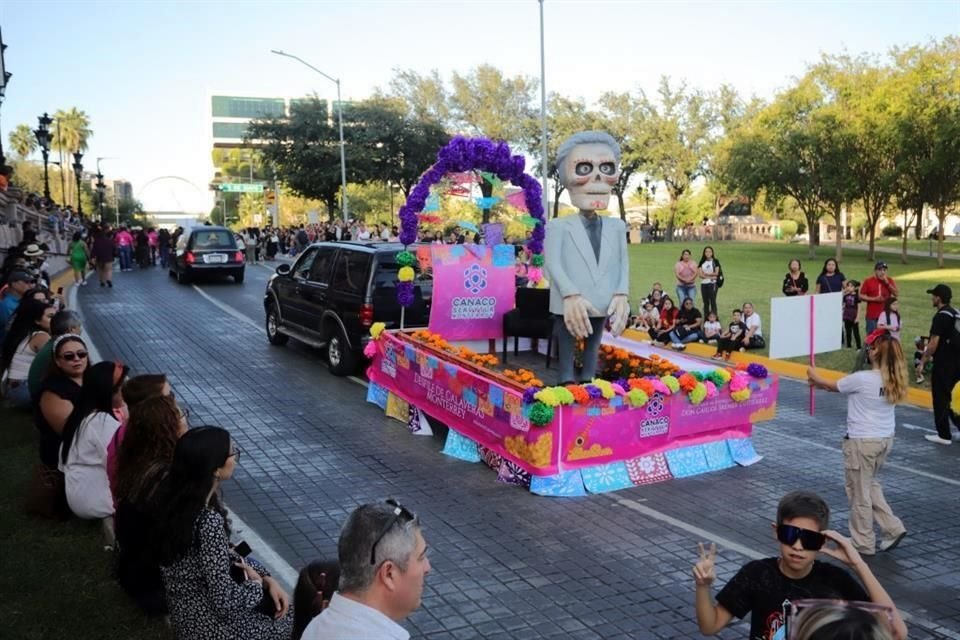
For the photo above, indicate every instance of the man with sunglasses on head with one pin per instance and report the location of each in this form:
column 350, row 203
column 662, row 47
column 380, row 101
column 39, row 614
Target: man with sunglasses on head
column 383, row 563
column 765, row 588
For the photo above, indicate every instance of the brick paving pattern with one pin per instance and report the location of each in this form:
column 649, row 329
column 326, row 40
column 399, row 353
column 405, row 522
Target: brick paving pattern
column 507, row 563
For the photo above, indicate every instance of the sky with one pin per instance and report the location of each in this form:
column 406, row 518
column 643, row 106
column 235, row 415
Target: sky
column 144, row 69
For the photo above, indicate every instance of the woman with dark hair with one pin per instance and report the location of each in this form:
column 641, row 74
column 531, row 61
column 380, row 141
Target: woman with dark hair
column 101, row 255
column 206, row 602
column 59, row 394
column 831, row 278
column 83, row 454
column 686, row 272
column 79, row 256
column 668, row 321
column 710, row 272
column 144, row 456
column 795, row 281
column 317, row 582
column 28, row 333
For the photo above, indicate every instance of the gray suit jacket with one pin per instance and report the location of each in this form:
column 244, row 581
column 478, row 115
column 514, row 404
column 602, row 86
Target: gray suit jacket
column 572, row 268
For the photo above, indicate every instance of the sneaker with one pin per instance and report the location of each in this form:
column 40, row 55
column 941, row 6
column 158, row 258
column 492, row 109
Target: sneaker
column 920, row 379
column 864, row 552
column 717, row 356
column 937, row 439
column 890, row 545
column 110, row 283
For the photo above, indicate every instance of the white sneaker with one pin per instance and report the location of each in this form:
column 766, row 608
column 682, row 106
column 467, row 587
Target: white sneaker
column 889, row 545
column 937, row 439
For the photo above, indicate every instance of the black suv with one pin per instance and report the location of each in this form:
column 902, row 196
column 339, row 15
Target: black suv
column 207, row 250
column 334, row 292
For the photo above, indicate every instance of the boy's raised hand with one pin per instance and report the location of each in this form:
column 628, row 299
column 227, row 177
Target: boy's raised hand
column 704, row 572
column 842, row 549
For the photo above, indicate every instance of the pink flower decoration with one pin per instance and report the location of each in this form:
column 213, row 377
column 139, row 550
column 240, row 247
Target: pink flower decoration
column 711, row 389
column 739, row 382
column 659, row 387
column 617, row 389
column 370, row 350
column 534, row 274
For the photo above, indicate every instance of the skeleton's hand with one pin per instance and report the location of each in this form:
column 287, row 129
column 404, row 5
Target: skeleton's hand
column 618, row 311
column 576, row 316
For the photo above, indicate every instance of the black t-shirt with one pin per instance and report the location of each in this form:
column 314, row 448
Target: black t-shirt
column 737, row 330
column 762, row 591
column 688, row 316
column 50, row 440
column 943, row 324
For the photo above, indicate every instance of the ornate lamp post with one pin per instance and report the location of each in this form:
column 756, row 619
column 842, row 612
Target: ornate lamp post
column 4, row 81
column 77, row 172
column 43, row 139
column 100, row 189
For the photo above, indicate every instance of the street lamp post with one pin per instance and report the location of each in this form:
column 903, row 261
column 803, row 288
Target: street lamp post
column 100, row 189
column 4, row 81
column 77, row 172
column 343, row 157
column 390, row 184
column 43, row 139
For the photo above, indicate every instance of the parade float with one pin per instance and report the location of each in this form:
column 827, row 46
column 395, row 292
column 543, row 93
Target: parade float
column 649, row 415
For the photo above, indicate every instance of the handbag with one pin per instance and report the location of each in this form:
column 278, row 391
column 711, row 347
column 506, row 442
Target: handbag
column 720, row 279
column 46, row 494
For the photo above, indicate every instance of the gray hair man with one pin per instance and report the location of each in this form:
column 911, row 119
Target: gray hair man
column 62, row 323
column 383, row 563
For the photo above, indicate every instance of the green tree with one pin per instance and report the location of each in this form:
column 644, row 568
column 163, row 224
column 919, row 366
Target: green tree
column 621, row 116
column 680, row 125
column 22, row 141
column 70, row 133
column 425, row 96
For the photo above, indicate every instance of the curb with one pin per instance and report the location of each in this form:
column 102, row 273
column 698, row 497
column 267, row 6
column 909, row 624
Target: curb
column 917, row 397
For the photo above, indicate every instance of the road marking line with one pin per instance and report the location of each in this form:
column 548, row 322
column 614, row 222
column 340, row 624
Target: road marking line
column 360, row 381
column 899, row 467
column 226, row 308
column 278, row 567
column 913, row 427
column 701, row 534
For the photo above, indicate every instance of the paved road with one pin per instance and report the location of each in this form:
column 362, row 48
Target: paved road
column 507, row 563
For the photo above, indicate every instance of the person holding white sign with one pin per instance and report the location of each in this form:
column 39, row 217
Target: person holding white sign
column 872, row 396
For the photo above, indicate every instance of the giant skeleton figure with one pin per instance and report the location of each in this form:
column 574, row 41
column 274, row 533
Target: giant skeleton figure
column 586, row 254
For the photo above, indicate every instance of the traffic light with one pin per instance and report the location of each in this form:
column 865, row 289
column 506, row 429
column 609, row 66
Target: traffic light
column 271, row 197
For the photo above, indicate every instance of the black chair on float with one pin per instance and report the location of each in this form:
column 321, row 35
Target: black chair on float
column 530, row 319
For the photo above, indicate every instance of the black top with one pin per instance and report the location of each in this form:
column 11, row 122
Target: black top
column 761, row 590
column 943, row 325
column 688, row 316
column 736, row 329
column 50, row 440
column 789, row 283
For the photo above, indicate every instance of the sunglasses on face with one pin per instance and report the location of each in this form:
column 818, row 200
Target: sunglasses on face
column 400, row 514
column 70, row 356
column 809, row 540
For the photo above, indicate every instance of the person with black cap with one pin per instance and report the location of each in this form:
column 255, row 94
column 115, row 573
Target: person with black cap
column 18, row 283
column 944, row 349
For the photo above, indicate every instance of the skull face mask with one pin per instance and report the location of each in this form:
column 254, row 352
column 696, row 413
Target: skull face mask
column 590, row 172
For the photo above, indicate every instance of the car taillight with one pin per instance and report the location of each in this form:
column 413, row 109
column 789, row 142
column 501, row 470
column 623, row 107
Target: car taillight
column 189, row 258
column 366, row 315
column 238, row 256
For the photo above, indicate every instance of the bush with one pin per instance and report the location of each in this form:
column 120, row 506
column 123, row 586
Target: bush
column 891, row 231
column 788, row 228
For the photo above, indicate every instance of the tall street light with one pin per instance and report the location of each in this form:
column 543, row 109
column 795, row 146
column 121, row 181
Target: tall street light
column 43, row 139
column 77, row 172
column 101, row 188
column 4, row 81
column 343, row 157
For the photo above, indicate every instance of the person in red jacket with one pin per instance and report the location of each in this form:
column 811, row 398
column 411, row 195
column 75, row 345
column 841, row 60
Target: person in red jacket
column 875, row 291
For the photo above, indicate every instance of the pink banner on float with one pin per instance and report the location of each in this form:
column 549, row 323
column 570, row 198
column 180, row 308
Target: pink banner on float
column 579, row 436
column 484, row 411
column 473, row 286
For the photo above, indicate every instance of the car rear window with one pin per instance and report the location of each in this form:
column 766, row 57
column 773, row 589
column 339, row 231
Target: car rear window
column 214, row 240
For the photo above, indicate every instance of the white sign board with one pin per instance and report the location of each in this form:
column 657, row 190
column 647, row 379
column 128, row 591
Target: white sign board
column 790, row 324
column 313, row 216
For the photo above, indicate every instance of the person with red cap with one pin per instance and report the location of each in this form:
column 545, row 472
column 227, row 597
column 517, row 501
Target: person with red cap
column 944, row 349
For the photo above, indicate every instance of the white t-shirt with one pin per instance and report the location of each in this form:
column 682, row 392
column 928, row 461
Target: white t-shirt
column 347, row 619
column 753, row 320
column 708, row 270
column 891, row 323
column 711, row 329
column 869, row 415
column 85, row 472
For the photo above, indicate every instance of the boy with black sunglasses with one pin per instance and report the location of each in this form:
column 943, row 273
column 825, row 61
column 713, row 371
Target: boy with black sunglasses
column 765, row 588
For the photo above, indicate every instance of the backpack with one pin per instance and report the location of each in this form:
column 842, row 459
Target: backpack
column 952, row 341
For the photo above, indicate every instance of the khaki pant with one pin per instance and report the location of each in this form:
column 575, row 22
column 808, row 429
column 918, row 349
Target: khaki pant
column 862, row 459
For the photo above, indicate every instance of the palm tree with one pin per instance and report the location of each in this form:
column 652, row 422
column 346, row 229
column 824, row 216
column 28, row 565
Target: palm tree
column 74, row 131
column 22, row 141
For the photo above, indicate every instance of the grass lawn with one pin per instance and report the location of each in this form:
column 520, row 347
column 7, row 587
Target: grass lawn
column 754, row 272
column 951, row 245
column 55, row 577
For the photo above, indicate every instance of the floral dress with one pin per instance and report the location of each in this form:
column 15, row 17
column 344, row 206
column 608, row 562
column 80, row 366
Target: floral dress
column 206, row 603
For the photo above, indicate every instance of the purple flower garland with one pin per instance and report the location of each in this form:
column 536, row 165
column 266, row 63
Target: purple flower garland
column 469, row 154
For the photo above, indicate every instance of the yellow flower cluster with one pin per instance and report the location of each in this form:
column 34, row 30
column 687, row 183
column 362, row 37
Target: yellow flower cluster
column 605, row 387
column 406, row 274
column 376, row 329
column 536, row 453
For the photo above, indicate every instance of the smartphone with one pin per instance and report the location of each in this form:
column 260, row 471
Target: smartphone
column 242, row 549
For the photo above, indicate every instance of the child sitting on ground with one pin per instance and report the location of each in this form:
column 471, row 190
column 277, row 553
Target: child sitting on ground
column 729, row 341
column 920, row 343
column 765, row 588
column 711, row 329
